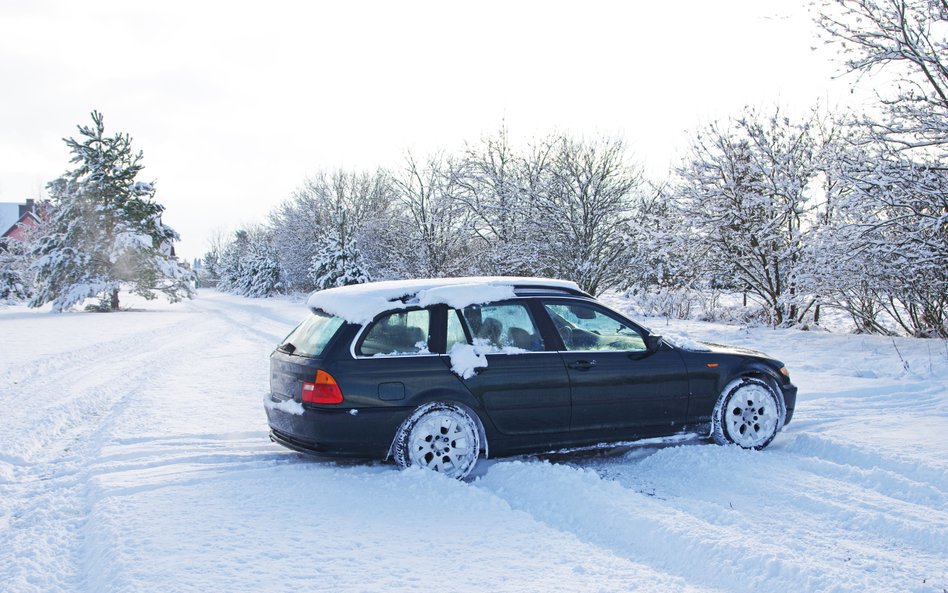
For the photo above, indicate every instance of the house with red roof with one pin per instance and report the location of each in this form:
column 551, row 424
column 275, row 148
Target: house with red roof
column 15, row 219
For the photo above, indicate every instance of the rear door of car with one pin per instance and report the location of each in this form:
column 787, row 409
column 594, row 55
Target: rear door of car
column 524, row 387
column 392, row 362
column 616, row 382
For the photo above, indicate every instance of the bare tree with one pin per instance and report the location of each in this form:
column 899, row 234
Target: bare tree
column 582, row 195
column 328, row 214
column 744, row 193
column 908, row 35
column 431, row 233
column 489, row 180
column 898, row 212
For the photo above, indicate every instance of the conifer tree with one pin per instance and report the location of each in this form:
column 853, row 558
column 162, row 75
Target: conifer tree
column 338, row 264
column 13, row 286
column 249, row 265
column 105, row 230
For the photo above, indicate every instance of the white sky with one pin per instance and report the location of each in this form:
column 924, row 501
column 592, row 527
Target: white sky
column 234, row 104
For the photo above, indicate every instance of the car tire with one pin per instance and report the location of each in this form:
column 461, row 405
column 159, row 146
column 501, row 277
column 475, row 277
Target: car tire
column 440, row 436
column 748, row 414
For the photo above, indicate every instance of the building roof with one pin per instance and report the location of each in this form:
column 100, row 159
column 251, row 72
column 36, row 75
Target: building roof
column 9, row 216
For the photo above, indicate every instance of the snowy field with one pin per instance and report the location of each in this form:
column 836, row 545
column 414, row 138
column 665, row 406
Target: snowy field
column 134, row 458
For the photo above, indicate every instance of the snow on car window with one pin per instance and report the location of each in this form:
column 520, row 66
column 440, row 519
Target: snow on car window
column 503, row 326
column 399, row 333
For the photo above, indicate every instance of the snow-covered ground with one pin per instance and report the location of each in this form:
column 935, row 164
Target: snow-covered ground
column 134, row 457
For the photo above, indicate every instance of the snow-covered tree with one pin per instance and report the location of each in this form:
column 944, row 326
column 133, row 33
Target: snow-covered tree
column 14, row 284
column 908, row 38
column 105, row 229
column 744, row 193
column 582, row 198
column 338, row 263
column 16, row 278
column 885, row 247
column 210, row 265
column 662, row 268
column 330, row 204
column 249, row 265
column 430, row 233
column 489, row 180
column 894, row 220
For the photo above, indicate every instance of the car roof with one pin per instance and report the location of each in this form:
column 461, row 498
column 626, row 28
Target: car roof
column 360, row 303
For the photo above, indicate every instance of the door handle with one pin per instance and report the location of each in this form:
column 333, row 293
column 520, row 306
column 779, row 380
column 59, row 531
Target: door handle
column 582, row 365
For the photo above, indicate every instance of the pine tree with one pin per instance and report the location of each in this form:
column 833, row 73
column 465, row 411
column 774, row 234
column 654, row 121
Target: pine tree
column 249, row 265
column 338, row 264
column 15, row 284
column 13, row 287
column 105, row 230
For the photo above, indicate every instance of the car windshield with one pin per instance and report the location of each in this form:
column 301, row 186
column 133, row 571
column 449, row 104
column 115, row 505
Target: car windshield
column 310, row 337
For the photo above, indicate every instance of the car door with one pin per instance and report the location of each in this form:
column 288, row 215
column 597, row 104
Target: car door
column 524, row 387
column 616, row 382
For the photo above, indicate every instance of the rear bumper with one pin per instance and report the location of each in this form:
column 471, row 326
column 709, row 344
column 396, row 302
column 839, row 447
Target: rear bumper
column 365, row 433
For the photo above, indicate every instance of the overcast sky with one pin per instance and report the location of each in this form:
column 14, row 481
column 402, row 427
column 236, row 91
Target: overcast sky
column 234, row 104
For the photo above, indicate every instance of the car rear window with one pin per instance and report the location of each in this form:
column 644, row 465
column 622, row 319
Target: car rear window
column 311, row 336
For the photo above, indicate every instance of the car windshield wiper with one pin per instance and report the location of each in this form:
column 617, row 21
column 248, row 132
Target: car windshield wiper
column 287, row 347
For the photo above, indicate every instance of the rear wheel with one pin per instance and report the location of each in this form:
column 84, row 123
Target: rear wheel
column 439, row 436
column 748, row 414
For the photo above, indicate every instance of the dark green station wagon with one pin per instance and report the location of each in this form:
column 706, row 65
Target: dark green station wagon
column 435, row 373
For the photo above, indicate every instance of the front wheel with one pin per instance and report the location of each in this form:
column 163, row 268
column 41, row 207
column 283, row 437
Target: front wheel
column 748, row 414
column 439, row 436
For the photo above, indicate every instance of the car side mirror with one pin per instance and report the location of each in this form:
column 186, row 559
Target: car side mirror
column 653, row 342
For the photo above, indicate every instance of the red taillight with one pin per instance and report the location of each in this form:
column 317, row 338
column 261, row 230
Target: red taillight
column 323, row 391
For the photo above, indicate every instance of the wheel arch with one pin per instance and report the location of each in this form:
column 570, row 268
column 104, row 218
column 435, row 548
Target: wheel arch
column 758, row 370
column 465, row 401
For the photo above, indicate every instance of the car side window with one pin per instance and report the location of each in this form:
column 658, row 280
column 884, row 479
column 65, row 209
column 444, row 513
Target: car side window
column 398, row 333
column 584, row 327
column 507, row 326
column 456, row 333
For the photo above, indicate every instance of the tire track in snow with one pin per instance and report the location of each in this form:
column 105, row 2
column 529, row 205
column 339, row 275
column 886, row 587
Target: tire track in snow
column 646, row 530
column 46, row 506
column 246, row 317
column 64, row 401
column 743, row 521
column 196, row 423
column 17, row 378
column 912, row 472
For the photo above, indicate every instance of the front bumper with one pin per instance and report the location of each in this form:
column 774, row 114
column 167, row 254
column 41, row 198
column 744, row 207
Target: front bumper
column 789, row 391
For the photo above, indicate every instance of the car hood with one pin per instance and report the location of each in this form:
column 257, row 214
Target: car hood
column 685, row 343
column 725, row 349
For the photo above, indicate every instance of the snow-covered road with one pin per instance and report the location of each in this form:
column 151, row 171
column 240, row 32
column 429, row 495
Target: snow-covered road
column 134, row 457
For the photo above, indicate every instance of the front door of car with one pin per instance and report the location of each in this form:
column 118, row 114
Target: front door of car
column 616, row 382
column 524, row 388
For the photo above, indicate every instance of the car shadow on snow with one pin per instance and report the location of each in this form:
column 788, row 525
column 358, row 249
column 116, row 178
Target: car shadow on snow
column 596, row 457
column 599, row 457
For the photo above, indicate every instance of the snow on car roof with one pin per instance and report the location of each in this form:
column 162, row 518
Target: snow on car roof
column 360, row 303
